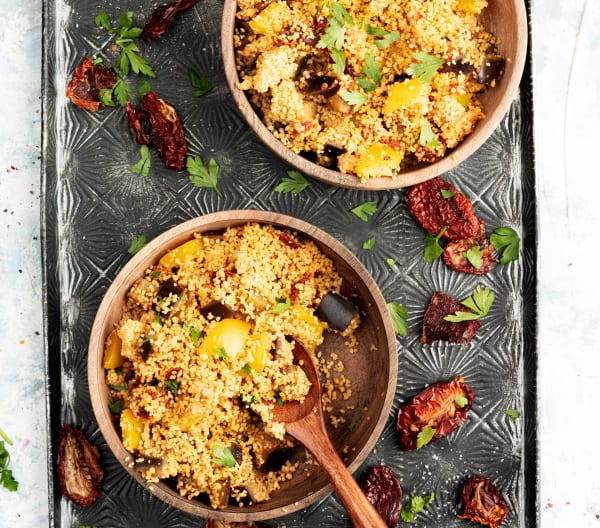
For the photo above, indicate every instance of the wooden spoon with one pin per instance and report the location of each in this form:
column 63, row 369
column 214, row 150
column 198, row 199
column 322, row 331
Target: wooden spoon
column 304, row 421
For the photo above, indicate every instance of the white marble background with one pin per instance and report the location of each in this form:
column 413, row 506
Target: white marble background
column 567, row 113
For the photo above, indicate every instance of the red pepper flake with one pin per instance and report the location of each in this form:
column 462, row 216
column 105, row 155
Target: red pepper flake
column 86, row 83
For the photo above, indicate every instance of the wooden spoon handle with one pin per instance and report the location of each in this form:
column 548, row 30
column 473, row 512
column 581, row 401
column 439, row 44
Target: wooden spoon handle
column 316, row 440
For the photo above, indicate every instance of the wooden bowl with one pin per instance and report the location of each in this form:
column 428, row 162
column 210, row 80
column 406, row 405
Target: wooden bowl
column 372, row 369
column 506, row 19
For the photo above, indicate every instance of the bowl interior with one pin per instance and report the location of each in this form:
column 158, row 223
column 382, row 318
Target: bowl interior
column 372, row 368
column 507, row 19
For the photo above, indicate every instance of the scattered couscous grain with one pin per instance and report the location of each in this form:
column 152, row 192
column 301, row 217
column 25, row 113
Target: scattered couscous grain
column 366, row 87
column 204, row 348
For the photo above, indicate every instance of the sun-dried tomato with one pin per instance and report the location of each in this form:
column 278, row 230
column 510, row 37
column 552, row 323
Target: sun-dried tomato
column 442, row 406
column 455, row 255
column 157, row 123
column 482, row 502
column 162, row 17
column 383, row 491
column 435, row 328
column 79, row 472
column 86, row 83
column 213, row 523
column 433, row 211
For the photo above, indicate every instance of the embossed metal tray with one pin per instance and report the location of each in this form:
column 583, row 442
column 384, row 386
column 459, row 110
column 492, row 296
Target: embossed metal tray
column 93, row 206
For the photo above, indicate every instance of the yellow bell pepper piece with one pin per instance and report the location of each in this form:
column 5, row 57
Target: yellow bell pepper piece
column 228, row 335
column 186, row 251
column 463, row 99
column 271, row 19
column 305, row 315
column 379, row 161
column 402, row 94
column 473, row 7
column 131, row 430
column 112, row 353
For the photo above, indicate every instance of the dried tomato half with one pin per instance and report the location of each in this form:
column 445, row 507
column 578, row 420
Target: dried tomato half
column 482, row 502
column 435, row 328
column 162, row 17
column 157, row 123
column 86, row 83
column 383, row 491
column 213, row 523
column 437, row 204
column 440, row 409
column 79, row 472
column 455, row 255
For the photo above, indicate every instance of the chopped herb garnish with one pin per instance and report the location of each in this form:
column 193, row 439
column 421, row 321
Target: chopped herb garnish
column 119, row 387
column 247, row 368
column 121, row 89
column 143, row 87
column 433, row 250
column 414, row 505
column 278, row 399
column 354, row 98
column 155, row 274
column 282, row 304
column 201, row 176
column 7, row 479
column 390, row 261
column 137, row 243
column 399, row 315
column 116, row 406
column 445, row 193
column 372, row 74
column 196, row 336
column 339, row 61
column 369, row 243
column 424, row 436
column 427, row 137
column 221, row 353
column 507, row 238
column 424, row 69
column 461, row 401
column 364, row 210
column 473, row 255
column 249, row 399
column 173, row 386
column 222, row 456
column 202, row 84
column 383, row 39
column 513, row 414
column 479, row 303
column 293, row 183
column 143, row 166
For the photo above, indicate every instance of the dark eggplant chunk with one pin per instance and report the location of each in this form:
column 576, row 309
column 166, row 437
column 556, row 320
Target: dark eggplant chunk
column 458, row 67
column 491, row 70
column 325, row 85
column 218, row 311
column 336, row 311
column 147, row 463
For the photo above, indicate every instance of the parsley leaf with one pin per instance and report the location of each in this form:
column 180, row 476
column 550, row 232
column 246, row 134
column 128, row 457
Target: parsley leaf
column 247, row 368
column 202, row 84
column 372, row 74
column 507, row 238
column 479, row 303
column 137, row 243
column 473, row 255
column 116, row 406
column 221, row 353
column 102, row 20
column 339, row 61
column 7, row 480
column 143, row 166
column 369, row 243
column 424, row 436
column 427, row 137
column 294, row 183
column 433, row 250
column 383, row 39
column 200, row 176
column 390, row 261
column 196, row 335
column 121, row 90
column 354, row 98
column 399, row 315
column 424, row 69
column 143, row 87
column 513, row 414
column 364, row 210
column 446, row 193
column 173, row 386
column 278, row 399
column 461, row 401
column 222, row 456
column 414, row 505
column 282, row 305
column 333, row 36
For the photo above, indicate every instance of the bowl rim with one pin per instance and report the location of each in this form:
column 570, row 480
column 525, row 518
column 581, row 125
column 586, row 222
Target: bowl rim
column 149, row 254
column 422, row 172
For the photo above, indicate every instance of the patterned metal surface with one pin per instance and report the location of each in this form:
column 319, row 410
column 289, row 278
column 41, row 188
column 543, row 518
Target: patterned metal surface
column 94, row 206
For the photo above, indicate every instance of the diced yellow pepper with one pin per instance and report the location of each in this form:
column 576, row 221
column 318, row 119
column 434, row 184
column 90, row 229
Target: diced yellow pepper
column 131, row 430
column 112, row 353
column 463, row 99
column 473, row 7
column 302, row 313
column 259, row 345
column 228, row 335
column 379, row 161
column 187, row 422
column 186, row 251
column 271, row 19
column 402, row 94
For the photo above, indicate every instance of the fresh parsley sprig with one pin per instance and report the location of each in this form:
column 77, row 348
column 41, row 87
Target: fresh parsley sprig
column 479, row 302
column 137, row 243
column 222, row 456
column 364, row 210
column 425, row 436
column 294, row 183
column 433, row 250
column 415, row 504
column 143, row 165
column 506, row 238
column 7, row 479
column 424, row 69
column 399, row 315
column 202, row 176
column 428, row 138
column 281, row 304
column 202, row 84
column 372, row 75
column 383, row 38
